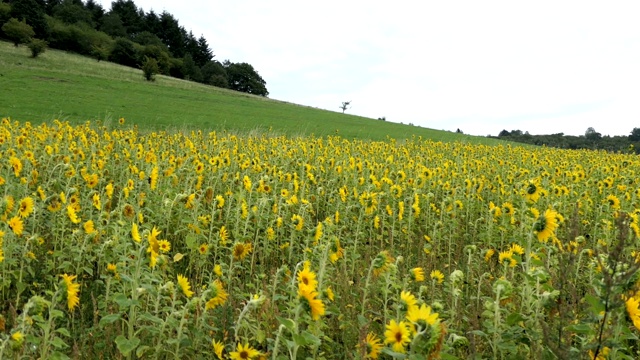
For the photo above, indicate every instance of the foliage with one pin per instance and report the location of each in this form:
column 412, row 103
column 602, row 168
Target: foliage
column 345, row 106
column 32, row 11
column 19, row 32
column 150, row 68
column 591, row 140
column 242, row 77
column 37, row 47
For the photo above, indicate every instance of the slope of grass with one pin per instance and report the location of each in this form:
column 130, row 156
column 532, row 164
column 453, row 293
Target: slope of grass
column 59, row 85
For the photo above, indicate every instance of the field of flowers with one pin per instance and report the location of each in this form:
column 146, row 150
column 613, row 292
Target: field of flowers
column 117, row 243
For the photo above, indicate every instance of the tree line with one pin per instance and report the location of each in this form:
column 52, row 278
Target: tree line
column 590, row 140
column 127, row 35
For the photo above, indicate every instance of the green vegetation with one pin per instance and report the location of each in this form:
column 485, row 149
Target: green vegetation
column 58, row 85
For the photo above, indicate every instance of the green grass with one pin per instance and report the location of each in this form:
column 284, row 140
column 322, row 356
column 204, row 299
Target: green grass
column 59, row 85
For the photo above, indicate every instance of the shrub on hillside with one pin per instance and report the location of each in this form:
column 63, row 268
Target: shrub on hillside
column 19, row 32
column 37, row 47
column 150, row 68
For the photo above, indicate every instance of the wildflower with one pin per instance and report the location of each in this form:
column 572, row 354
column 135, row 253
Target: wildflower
column 218, row 295
column 89, row 227
column 546, row 225
column 308, row 298
column 307, row 278
column 297, row 221
column 489, row 254
column 218, row 347
column 374, row 345
column 135, row 234
column 517, row 249
column 328, row 292
column 241, row 250
column 153, row 178
column 532, row 192
column 203, row 249
column 408, row 301
column 95, row 199
column 244, row 352
column 422, row 316
column 397, row 335
column 217, row 270
column 26, row 207
column 337, row 252
column 17, row 337
column 318, row 233
column 417, row 274
column 16, row 225
column 16, row 164
column 71, row 212
column 632, row 305
column 437, row 275
column 613, row 201
column 184, row 286
column 381, row 263
column 164, row 246
column 224, row 235
column 72, row 291
column 219, row 201
column 112, row 268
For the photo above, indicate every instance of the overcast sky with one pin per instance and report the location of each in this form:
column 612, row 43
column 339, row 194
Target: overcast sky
column 480, row 66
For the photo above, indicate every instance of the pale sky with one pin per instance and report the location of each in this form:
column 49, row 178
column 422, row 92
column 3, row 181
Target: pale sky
column 480, row 66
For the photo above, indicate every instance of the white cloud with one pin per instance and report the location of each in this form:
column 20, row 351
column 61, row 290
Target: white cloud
column 481, row 66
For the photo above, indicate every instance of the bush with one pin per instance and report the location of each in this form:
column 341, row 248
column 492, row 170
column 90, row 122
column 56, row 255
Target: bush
column 37, row 47
column 150, row 68
column 19, row 32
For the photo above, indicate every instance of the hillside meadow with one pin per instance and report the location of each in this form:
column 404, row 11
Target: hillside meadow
column 118, row 243
column 69, row 87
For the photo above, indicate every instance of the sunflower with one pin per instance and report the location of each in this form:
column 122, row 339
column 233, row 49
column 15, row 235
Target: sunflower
column 381, row 263
column 297, row 221
column 374, row 345
column 224, row 235
column 613, row 201
column 546, row 225
column 407, row 301
column 164, row 246
column 397, row 335
column 26, row 207
column 135, row 234
column 417, row 274
column 309, row 298
column 153, row 178
column 244, row 352
column 422, row 316
column 241, row 250
column 95, row 199
column 184, row 286
column 532, row 192
column 203, row 249
column 71, row 212
column 437, row 275
column 89, row 227
column 337, row 252
column 632, row 305
column 16, row 225
column 218, row 295
column 218, row 347
column 307, row 278
column 517, row 249
column 489, row 254
column 72, row 291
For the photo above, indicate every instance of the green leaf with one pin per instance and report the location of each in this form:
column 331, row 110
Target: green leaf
column 58, row 343
column 191, row 241
column 299, row 340
column 56, row 313
column 123, row 301
column 141, row 350
column 580, row 329
column 596, row 304
column 362, row 321
column 151, row 318
column 109, row 319
column 514, row 318
column 394, row 354
column 311, row 339
column 125, row 346
column 64, row 332
column 288, row 323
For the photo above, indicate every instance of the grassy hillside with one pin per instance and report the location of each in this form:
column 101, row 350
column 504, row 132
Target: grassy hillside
column 58, row 85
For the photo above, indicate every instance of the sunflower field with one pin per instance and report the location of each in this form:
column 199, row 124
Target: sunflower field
column 120, row 243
